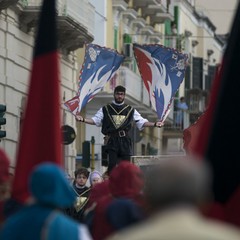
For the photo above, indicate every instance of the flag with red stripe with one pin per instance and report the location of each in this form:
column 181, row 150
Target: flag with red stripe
column 162, row 70
column 100, row 65
column 40, row 139
column 216, row 139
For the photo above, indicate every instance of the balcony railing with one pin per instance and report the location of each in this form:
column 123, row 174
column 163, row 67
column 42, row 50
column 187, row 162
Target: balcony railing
column 157, row 10
column 119, row 5
column 81, row 11
column 177, row 121
column 134, row 85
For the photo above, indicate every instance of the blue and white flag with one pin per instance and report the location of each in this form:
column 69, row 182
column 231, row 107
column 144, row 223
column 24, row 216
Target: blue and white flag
column 162, row 70
column 100, row 65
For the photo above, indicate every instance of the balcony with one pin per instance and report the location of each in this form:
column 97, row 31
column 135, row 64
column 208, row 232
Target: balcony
column 119, row 5
column 150, row 10
column 157, row 10
column 130, row 14
column 147, row 30
column 144, row 3
column 139, row 22
column 161, row 18
column 7, row 3
column 75, row 21
column 156, row 37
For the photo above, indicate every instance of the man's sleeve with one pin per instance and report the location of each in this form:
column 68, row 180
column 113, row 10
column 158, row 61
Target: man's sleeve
column 98, row 117
column 139, row 120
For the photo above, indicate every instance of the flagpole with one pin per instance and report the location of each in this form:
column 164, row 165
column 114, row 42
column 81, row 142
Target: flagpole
column 63, row 148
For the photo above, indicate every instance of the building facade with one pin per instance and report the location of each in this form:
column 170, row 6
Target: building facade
column 18, row 22
column 115, row 24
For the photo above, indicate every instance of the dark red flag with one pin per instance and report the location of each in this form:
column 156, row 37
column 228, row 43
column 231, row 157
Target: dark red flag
column 216, row 137
column 40, row 139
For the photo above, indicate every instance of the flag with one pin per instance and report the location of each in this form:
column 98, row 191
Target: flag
column 40, row 138
column 162, row 70
column 218, row 132
column 100, row 65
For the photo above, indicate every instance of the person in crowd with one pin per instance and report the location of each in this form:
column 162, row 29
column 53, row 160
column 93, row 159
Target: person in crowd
column 98, row 191
column 95, row 177
column 175, row 190
column 116, row 121
column 43, row 217
column 181, row 107
column 4, row 182
column 105, row 176
column 81, row 192
column 123, row 206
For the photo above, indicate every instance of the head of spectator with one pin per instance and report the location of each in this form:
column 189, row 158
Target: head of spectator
column 95, row 177
column 126, row 180
column 177, row 181
column 182, row 99
column 81, row 177
column 49, row 186
column 105, row 176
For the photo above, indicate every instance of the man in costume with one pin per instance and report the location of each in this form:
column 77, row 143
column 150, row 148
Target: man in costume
column 116, row 120
column 82, row 192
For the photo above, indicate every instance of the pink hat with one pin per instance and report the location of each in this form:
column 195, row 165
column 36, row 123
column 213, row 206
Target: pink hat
column 4, row 167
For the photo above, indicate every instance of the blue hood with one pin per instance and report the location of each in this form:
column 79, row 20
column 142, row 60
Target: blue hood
column 48, row 185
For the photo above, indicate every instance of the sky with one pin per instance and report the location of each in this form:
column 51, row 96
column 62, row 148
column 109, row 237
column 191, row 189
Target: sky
column 220, row 12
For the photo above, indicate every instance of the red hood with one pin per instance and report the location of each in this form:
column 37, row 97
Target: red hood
column 126, row 180
column 98, row 191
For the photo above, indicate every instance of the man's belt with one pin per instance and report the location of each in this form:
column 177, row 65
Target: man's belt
column 121, row 133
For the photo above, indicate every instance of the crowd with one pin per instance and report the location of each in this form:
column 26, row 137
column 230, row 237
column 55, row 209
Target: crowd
column 163, row 202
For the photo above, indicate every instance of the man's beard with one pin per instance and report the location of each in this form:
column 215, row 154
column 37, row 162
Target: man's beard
column 118, row 101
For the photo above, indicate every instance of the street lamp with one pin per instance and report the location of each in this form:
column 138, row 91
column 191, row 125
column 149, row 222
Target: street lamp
column 93, row 158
